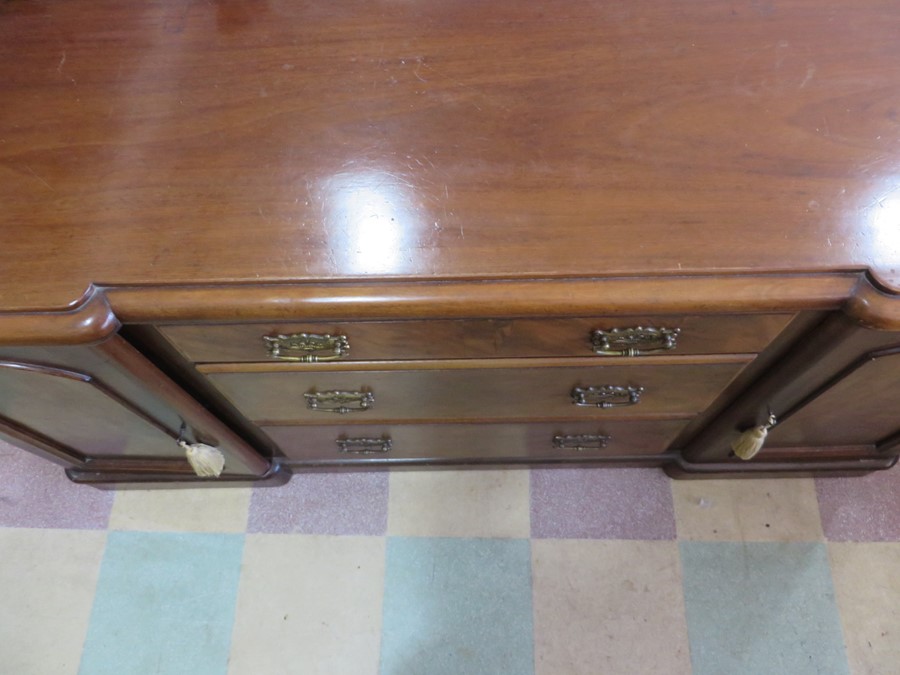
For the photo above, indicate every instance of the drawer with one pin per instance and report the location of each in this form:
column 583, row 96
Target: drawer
column 472, row 338
column 545, row 441
column 532, row 389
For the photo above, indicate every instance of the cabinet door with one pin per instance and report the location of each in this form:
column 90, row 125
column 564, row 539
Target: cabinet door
column 79, row 413
column 106, row 409
column 860, row 406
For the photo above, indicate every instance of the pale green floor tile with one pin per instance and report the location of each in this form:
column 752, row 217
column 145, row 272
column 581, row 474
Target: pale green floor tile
column 761, row 609
column 457, row 607
column 164, row 604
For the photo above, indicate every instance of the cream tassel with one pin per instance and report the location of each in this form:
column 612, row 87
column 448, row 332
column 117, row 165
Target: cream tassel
column 751, row 441
column 205, row 460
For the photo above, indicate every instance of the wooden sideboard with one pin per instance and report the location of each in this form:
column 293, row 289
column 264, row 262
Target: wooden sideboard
column 367, row 234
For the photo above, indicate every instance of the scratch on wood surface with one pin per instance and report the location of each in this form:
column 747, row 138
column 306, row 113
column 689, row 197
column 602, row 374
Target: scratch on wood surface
column 32, row 172
column 62, row 62
column 810, row 71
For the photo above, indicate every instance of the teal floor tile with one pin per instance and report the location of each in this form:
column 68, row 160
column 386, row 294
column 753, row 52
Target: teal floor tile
column 457, row 606
column 765, row 608
column 164, row 604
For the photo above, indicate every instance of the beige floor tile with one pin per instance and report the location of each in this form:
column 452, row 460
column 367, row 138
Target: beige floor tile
column 184, row 510
column 309, row 604
column 867, row 586
column 782, row 509
column 459, row 504
column 47, row 584
column 608, row 607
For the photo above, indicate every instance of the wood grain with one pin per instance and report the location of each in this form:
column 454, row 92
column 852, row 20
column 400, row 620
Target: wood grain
column 474, row 339
column 507, row 298
column 89, row 320
column 810, row 366
column 267, row 141
column 116, row 404
column 862, row 408
column 61, row 405
column 474, row 393
column 475, row 441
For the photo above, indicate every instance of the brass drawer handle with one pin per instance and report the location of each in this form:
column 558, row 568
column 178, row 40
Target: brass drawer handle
column 607, row 396
column 364, row 446
column 580, row 442
column 307, row 347
column 340, row 402
column 635, row 341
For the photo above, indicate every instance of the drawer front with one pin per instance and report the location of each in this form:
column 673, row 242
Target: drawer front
column 546, row 441
column 456, row 391
column 474, row 338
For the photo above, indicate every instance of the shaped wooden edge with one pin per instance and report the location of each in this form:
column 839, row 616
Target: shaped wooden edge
column 873, row 305
column 671, row 462
column 148, row 478
column 102, row 310
column 681, row 468
column 89, row 321
column 484, row 298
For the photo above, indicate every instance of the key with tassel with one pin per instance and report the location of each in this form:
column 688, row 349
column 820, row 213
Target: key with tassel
column 749, row 443
column 206, row 461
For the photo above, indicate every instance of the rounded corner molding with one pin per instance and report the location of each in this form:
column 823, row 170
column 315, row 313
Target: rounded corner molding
column 89, row 321
column 872, row 306
column 889, row 280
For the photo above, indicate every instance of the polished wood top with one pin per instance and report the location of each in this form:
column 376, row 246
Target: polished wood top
column 241, row 140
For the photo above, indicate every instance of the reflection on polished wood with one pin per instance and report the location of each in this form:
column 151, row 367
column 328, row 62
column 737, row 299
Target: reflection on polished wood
column 276, row 140
column 467, row 191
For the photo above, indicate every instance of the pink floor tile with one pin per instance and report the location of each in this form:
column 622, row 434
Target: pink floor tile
column 601, row 504
column 36, row 493
column 323, row 503
column 863, row 508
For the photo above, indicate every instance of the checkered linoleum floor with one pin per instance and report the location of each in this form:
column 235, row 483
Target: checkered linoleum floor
column 521, row 571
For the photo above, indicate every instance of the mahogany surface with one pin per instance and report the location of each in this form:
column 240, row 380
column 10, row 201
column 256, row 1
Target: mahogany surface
column 241, row 140
column 478, row 338
column 861, row 408
column 54, row 404
column 476, row 441
column 825, row 362
column 476, row 390
column 467, row 190
column 107, row 401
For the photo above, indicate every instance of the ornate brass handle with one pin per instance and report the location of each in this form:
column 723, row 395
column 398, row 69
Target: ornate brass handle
column 580, row 442
column 307, row 347
column 635, row 341
column 364, row 446
column 607, row 396
column 340, row 402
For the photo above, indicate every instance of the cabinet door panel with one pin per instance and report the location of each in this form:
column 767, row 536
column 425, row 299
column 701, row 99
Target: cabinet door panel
column 64, row 406
column 106, row 408
column 862, row 407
